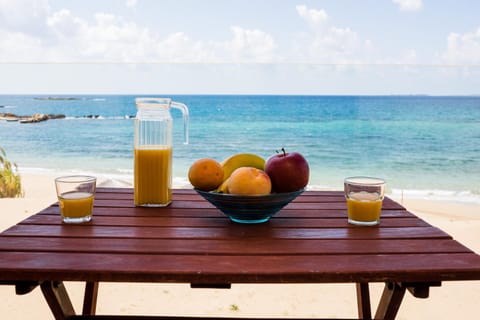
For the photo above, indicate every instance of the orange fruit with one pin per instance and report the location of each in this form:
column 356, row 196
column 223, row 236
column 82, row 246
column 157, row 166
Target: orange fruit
column 206, row 174
column 249, row 181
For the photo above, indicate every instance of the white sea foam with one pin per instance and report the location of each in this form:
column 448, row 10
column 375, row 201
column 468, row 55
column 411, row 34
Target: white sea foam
column 99, row 117
column 181, row 182
column 434, row 195
column 437, row 195
column 123, row 179
column 30, row 170
column 115, row 183
column 125, row 171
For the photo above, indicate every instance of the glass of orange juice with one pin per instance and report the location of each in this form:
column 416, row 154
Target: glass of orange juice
column 364, row 197
column 75, row 197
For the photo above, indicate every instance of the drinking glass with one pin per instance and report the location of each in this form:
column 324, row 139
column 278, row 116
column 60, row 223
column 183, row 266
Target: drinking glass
column 364, row 197
column 75, row 197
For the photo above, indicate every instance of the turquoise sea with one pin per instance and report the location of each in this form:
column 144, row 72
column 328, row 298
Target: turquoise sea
column 423, row 146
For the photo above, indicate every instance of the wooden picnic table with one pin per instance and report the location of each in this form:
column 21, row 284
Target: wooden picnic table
column 190, row 241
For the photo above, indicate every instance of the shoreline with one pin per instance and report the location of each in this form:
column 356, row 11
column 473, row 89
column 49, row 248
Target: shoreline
column 452, row 300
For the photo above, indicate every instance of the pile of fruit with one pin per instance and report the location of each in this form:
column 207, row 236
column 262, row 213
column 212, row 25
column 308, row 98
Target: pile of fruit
column 250, row 174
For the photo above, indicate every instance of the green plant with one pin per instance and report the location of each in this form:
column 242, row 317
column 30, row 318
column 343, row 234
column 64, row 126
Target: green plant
column 10, row 181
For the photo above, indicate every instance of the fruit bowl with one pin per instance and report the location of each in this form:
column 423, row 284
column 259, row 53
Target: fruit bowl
column 249, row 209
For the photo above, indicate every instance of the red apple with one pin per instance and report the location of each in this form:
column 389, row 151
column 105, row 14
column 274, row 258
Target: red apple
column 287, row 171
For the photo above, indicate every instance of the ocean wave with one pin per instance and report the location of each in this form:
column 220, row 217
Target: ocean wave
column 114, row 183
column 464, row 196
column 99, row 117
column 8, row 107
column 125, row 171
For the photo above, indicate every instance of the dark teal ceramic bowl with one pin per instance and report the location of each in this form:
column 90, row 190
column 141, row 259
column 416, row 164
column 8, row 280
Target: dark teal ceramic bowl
column 249, row 209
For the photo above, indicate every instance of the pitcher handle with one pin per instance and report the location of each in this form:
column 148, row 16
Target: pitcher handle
column 184, row 109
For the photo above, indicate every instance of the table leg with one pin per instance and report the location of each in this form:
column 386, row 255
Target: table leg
column 390, row 301
column 57, row 299
column 90, row 298
column 363, row 301
column 421, row 290
column 22, row 287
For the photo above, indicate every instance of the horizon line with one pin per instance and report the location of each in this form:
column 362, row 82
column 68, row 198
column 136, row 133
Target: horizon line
column 326, row 64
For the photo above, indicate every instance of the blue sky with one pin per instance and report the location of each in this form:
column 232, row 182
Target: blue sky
column 240, row 47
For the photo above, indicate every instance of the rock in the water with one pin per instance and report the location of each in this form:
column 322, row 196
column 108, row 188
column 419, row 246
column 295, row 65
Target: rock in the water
column 56, row 116
column 37, row 117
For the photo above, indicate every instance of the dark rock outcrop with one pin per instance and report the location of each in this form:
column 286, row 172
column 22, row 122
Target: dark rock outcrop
column 37, row 117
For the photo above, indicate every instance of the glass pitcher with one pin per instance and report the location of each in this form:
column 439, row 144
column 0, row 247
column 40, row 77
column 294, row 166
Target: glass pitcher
column 153, row 150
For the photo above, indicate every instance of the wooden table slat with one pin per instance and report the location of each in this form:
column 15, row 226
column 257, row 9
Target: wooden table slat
column 235, row 231
column 220, row 221
column 203, row 204
column 229, row 247
column 239, row 269
column 213, row 212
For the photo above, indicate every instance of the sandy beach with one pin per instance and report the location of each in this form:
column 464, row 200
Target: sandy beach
column 455, row 300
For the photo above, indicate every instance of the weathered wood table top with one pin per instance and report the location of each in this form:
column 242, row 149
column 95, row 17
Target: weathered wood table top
column 190, row 241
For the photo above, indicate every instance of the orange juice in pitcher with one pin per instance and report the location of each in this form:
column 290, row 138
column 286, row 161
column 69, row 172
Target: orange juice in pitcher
column 153, row 172
column 153, row 151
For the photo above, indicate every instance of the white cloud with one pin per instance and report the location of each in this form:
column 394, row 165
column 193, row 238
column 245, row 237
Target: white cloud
column 24, row 15
column 463, row 48
column 19, row 47
column 312, row 16
column 409, row 5
column 250, row 45
column 64, row 24
column 69, row 38
column 131, row 3
column 326, row 43
column 179, row 47
column 111, row 38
